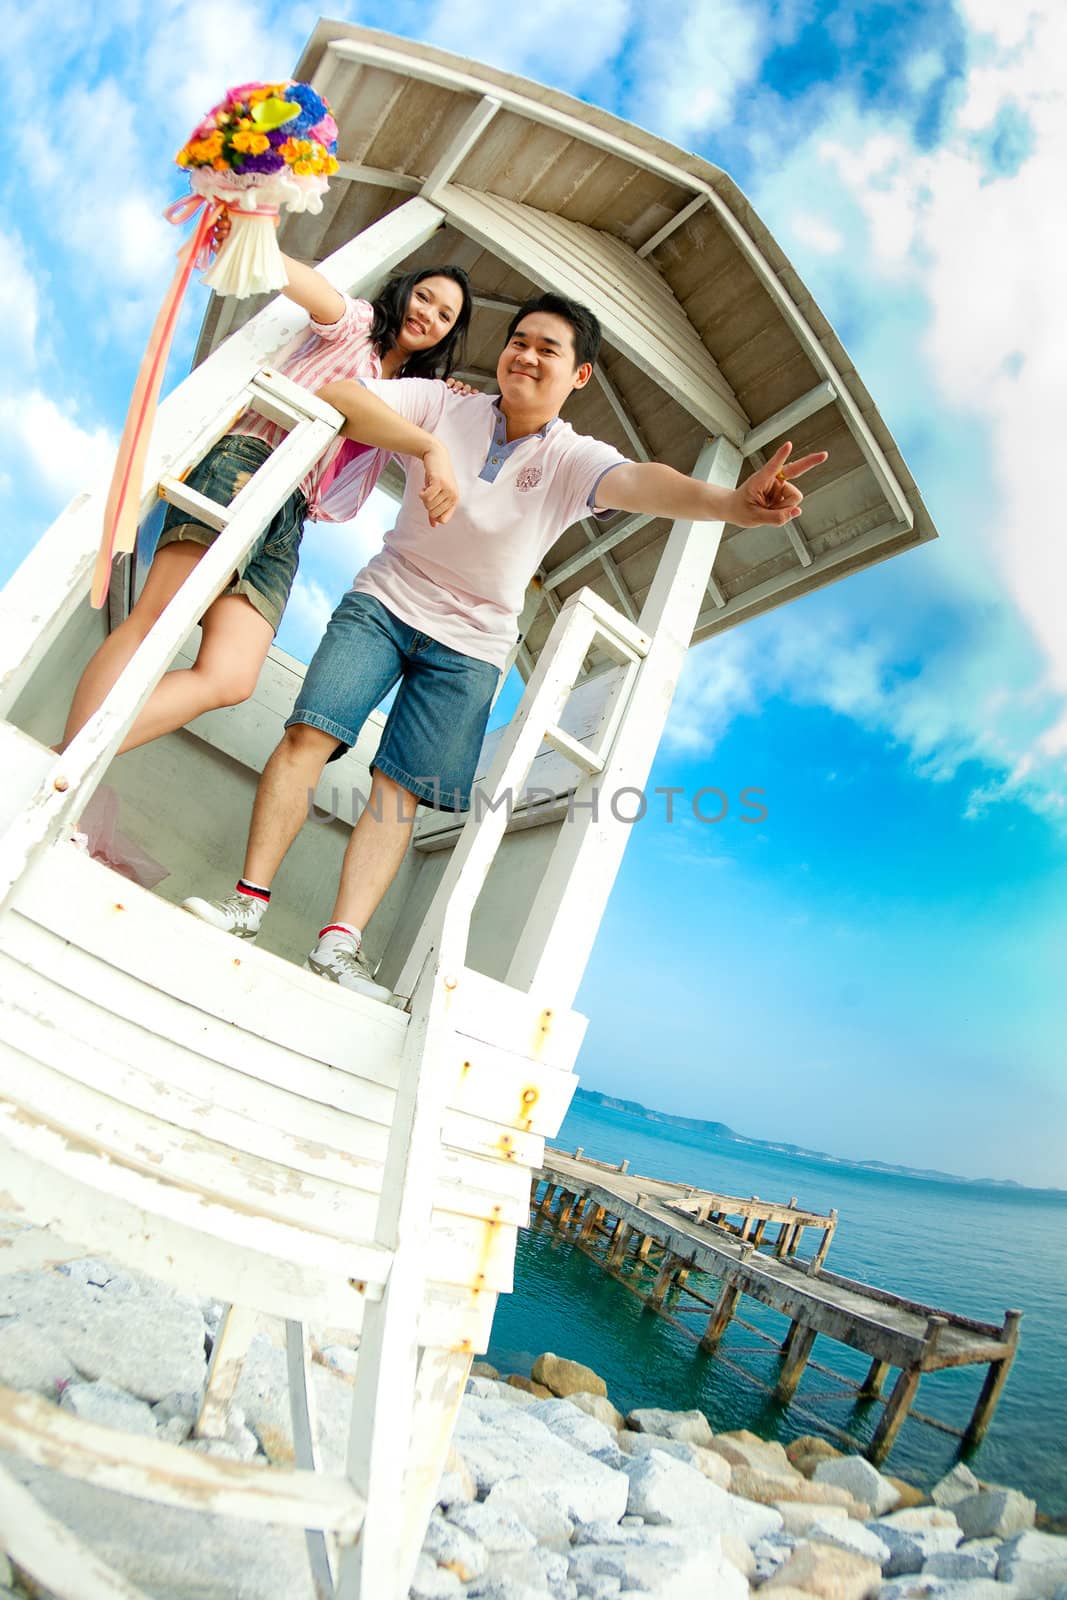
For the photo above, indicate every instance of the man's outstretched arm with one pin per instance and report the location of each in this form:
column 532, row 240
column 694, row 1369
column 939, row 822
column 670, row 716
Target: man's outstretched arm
column 369, row 420
column 768, row 496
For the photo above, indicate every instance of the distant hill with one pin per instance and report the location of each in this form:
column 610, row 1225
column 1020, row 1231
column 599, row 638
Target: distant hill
column 722, row 1130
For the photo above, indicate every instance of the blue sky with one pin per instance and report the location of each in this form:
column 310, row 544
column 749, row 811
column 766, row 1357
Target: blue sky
column 877, row 969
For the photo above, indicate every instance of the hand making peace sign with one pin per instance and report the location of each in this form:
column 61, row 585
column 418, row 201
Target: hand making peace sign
column 769, row 495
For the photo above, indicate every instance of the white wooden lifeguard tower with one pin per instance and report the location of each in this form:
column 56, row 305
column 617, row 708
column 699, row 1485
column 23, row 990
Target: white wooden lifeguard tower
column 222, row 1119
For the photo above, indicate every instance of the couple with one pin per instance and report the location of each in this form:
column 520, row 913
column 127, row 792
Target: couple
column 435, row 610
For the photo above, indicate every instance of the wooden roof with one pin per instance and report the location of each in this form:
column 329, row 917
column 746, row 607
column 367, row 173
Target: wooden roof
column 708, row 328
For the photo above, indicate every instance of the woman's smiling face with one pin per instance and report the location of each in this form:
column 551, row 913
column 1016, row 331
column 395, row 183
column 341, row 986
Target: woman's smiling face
column 432, row 310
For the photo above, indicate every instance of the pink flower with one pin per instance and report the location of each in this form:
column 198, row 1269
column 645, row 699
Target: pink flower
column 325, row 131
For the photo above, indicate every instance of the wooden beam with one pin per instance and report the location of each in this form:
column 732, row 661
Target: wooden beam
column 871, row 1387
column 380, row 177
column 798, row 410
column 622, row 416
column 795, row 1361
column 670, row 227
column 992, row 1388
column 889, row 1423
column 461, row 146
column 719, row 1320
column 584, row 558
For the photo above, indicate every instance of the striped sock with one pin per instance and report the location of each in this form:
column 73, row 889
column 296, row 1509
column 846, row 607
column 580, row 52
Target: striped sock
column 255, row 891
column 344, row 928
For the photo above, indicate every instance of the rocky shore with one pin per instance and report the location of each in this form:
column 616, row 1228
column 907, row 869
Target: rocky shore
column 549, row 1490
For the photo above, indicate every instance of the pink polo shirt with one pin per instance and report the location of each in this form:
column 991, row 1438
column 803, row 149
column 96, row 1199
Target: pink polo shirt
column 464, row 583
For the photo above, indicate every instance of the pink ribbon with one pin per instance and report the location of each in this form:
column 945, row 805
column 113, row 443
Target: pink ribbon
column 124, row 495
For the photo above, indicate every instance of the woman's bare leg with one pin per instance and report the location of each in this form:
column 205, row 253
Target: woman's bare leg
column 166, row 575
column 233, row 647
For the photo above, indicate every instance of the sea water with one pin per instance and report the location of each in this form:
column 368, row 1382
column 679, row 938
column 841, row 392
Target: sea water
column 972, row 1249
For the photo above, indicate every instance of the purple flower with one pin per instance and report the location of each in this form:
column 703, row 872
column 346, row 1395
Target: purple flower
column 269, row 161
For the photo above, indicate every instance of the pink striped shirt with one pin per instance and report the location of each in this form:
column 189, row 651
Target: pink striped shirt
column 345, row 474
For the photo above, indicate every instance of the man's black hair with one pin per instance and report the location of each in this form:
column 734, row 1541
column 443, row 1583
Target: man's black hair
column 584, row 325
column 390, row 309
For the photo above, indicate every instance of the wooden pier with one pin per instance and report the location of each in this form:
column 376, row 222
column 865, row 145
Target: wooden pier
column 673, row 1229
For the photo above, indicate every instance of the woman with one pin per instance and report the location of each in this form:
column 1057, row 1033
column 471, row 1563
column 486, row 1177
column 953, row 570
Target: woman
column 415, row 328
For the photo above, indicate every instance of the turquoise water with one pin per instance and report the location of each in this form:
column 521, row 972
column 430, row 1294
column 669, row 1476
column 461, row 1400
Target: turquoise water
column 974, row 1250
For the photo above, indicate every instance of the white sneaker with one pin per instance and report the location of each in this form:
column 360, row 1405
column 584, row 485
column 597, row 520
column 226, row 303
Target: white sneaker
column 340, row 959
column 239, row 914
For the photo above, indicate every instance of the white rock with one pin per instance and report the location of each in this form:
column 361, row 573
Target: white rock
column 518, row 1498
column 455, row 1547
column 706, row 1461
column 772, row 1552
column 105, row 1403
column 920, row 1587
column 667, row 1572
column 432, row 1582
column 850, row 1535
column 30, row 1360
column 127, row 1329
column 799, row 1515
column 545, row 1570
column 598, row 1406
column 501, row 1588
column 978, row 1559
column 663, row 1490
column 862, row 1481
column 499, row 1530
column 912, row 1536
column 1035, row 1563
column 339, row 1358
column 263, row 1395
column 994, row 1513
column 179, row 1403
column 955, row 1485
column 691, row 1427
column 174, row 1431
column 579, row 1429
column 603, row 1587
column 514, row 1444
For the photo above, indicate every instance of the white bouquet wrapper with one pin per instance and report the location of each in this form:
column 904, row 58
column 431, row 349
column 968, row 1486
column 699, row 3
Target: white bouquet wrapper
column 250, row 262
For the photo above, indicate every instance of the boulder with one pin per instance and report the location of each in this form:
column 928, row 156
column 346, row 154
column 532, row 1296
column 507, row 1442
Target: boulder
column 499, row 1588
column 799, row 1515
column 432, row 1582
column 666, row 1571
column 1035, row 1563
column 565, row 1377
column 994, row 1513
column 340, row 1359
column 598, row 1407
column 542, row 1570
column 975, row 1560
column 920, row 1587
column 507, row 1393
column 497, row 1529
column 767, row 1487
column 810, row 1447
column 456, row 1481
column 112, row 1407
column 454, row 1547
column 910, row 1550
column 527, row 1386
column 506, row 1442
column 819, row 1569
column 518, row 1498
column 909, row 1493
column 744, row 1449
column 709, row 1462
column 738, row 1553
column 483, row 1369
column 665, row 1491
column 29, row 1359
column 854, row 1536
column 688, row 1427
column 262, row 1393
column 119, row 1326
column 582, row 1431
column 862, row 1481
column 955, row 1485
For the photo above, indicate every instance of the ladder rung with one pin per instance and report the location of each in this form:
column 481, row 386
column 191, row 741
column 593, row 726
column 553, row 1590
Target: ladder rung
column 285, row 402
column 623, row 637
column 574, row 750
column 179, row 494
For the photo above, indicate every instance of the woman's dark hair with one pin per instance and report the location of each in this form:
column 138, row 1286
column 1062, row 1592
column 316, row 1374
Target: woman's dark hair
column 390, row 309
column 584, row 325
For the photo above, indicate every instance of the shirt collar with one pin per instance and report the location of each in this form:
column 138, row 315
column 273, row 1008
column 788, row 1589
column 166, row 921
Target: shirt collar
column 500, row 427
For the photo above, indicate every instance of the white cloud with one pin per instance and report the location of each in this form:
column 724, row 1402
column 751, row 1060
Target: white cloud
column 65, row 456
column 695, row 59
column 527, row 39
column 19, row 307
column 818, row 234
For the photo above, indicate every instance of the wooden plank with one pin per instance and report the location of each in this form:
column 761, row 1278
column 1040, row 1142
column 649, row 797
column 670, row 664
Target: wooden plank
column 50, row 1554
column 167, row 1474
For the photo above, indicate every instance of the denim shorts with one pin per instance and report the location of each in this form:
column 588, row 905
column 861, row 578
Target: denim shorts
column 266, row 574
column 433, row 733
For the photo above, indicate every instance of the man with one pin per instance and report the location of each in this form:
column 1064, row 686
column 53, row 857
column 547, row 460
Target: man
column 435, row 610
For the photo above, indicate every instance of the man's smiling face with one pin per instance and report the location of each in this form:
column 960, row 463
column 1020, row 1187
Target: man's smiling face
column 536, row 370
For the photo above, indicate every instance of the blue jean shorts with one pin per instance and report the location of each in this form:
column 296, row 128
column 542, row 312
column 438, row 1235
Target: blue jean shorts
column 433, row 733
column 266, row 574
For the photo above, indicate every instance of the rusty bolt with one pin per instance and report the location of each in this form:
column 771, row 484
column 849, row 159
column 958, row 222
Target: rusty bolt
column 61, row 785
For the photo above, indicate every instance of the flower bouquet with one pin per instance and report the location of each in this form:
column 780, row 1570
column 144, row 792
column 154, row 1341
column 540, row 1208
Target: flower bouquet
column 264, row 146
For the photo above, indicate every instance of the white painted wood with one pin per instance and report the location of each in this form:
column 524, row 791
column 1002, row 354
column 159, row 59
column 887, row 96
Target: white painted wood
column 76, row 773
column 52, row 581
column 574, row 751
column 677, row 221
column 442, row 1378
column 562, row 923
column 461, row 146
column 52, row 1555
column 193, row 503
column 167, row 1474
column 24, row 764
column 234, row 1335
column 305, row 1443
column 637, row 311
column 611, row 572
column 622, row 416
column 799, row 410
column 378, row 177
column 600, row 546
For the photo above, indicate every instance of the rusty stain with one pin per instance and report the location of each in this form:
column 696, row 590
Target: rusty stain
column 237, row 961
column 61, row 785
column 530, row 1097
column 358, row 1285
column 466, row 1069
column 451, row 983
column 118, row 906
column 544, row 1028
